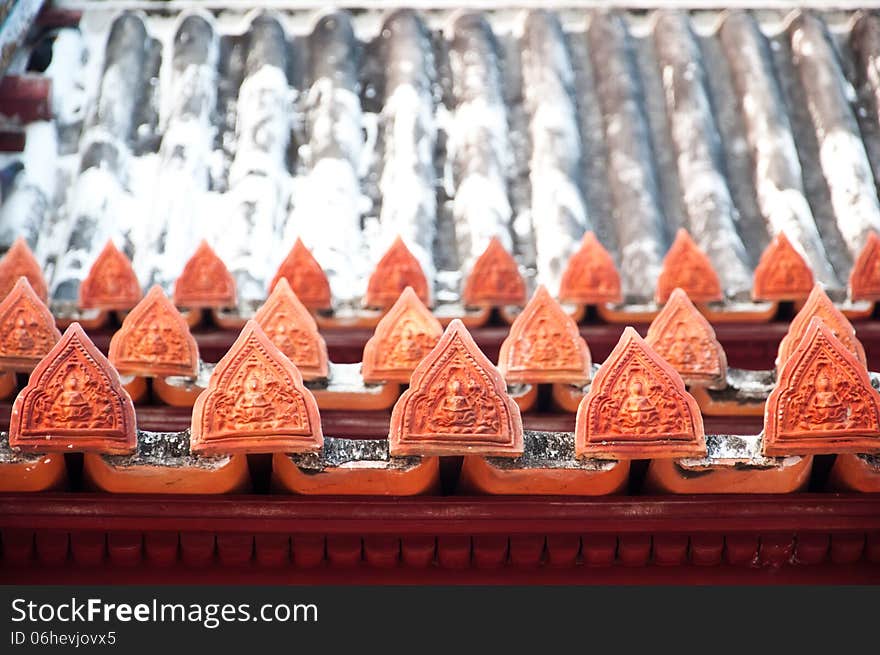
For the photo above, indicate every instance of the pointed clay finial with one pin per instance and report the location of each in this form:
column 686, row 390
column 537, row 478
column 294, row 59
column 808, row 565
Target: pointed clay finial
column 782, row 273
column 823, row 401
column 397, row 270
column 682, row 336
column 111, row 282
column 864, row 279
column 155, row 340
column 205, row 281
column 544, row 345
column 591, row 277
column 255, row 403
column 494, row 280
column 456, row 404
column 305, row 277
column 290, row 326
column 27, row 329
column 638, row 408
column 819, row 304
column 404, row 336
column 688, row 267
column 20, row 261
column 74, row 402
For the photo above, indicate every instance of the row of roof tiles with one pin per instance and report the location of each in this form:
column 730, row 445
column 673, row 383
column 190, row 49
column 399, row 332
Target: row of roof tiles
column 637, row 405
column 495, row 281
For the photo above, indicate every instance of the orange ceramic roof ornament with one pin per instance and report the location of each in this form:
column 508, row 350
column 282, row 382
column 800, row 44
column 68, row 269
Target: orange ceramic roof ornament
column 782, row 273
column 638, row 408
column 397, row 270
column 111, row 282
column 292, row 329
column 688, row 267
column 74, row 402
column 456, row 404
column 205, row 281
column 255, row 403
column 20, row 261
column 494, row 280
column 155, row 340
column 544, row 345
column 823, row 402
column 819, row 304
column 404, row 336
column 683, row 337
column 864, row 279
column 27, row 329
column 591, row 277
column 305, row 277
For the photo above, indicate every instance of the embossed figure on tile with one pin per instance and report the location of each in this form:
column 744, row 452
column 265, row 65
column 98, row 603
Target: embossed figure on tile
column 549, row 347
column 638, row 407
column 111, row 282
column 688, row 267
column 290, row 326
column 405, row 335
column 254, row 406
column 457, row 402
column 397, row 269
column 20, row 339
column 681, row 346
column 305, row 277
column 826, row 408
column 823, row 401
column 255, row 402
column 494, row 279
column 819, row 305
column 71, row 404
column 454, row 412
column 153, row 343
column 543, row 348
column 27, row 328
column 73, row 400
column 591, row 276
column 19, row 262
column 296, row 344
column 410, row 343
column 782, row 273
column 637, row 411
column 864, row 279
column 205, row 281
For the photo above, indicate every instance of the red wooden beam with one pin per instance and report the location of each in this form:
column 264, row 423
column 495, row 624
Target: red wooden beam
column 25, row 98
